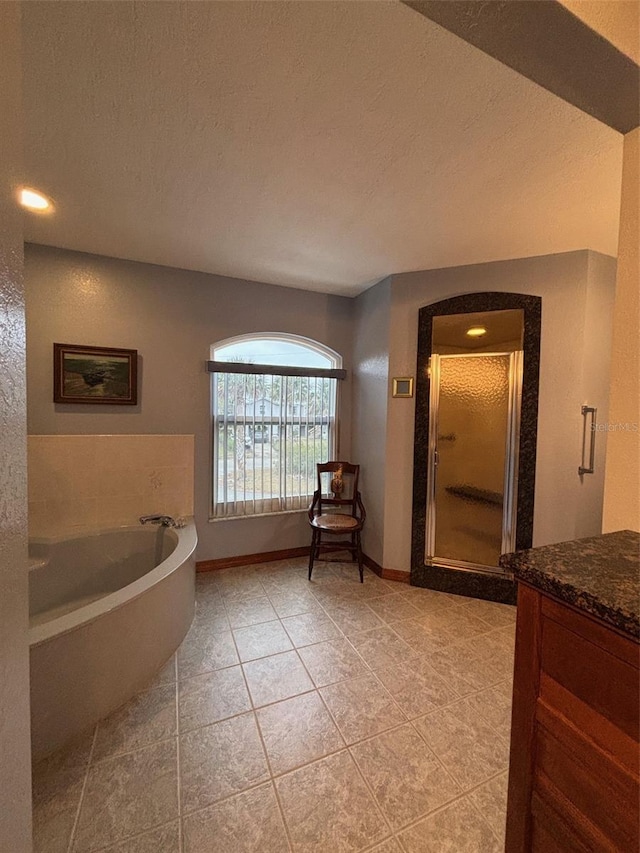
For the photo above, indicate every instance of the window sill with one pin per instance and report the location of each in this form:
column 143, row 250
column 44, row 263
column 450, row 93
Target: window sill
column 216, row 519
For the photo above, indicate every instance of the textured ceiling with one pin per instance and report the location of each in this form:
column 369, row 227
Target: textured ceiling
column 316, row 145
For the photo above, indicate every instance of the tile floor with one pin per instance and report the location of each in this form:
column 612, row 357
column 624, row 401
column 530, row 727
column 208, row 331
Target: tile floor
column 296, row 717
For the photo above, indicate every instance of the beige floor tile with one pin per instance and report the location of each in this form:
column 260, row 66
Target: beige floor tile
column 247, row 823
column 393, row 608
column 203, row 651
column 425, row 645
column 491, row 800
column 494, row 707
column 167, row 674
column 491, row 646
column 372, row 587
column 468, row 747
column 466, row 675
column 308, row 628
column 406, row 778
column 219, row 760
column 491, row 612
column 148, row 717
column 213, row 696
column 381, row 647
column 215, row 623
column 409, row 628
column 209, row 599
column 429, row 648
column 361, row 707
column 455, row 621
column 334, row 660
column 297, row 731
column 259, row 641
column 249, row 611
column 277, row 677
column 388, row 846
column 428, row 600
column 166, row 839
column 127, row 795
column 416, row 690
column 57, row 787
column 327, row 807
column 293, row 604
column 353, row 618
column 458, row 828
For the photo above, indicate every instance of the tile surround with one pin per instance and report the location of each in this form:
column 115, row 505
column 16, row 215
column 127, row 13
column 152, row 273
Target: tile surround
column 358, row 742
column 78, row 482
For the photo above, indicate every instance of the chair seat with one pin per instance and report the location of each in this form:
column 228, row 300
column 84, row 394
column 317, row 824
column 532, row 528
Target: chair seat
column 335, row 521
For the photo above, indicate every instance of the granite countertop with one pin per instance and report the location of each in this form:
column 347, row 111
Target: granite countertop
column 599, row 575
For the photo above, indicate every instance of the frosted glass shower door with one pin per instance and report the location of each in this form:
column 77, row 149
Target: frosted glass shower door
column 472, row 432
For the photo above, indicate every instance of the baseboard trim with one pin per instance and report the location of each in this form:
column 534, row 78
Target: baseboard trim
column 387, row 574
column 249, row 559
column 291, row 554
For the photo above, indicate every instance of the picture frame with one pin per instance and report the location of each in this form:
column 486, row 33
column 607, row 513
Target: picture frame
column 95, row 375
column 402, row 386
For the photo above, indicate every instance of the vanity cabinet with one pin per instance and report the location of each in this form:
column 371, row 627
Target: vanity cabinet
column 574, row 762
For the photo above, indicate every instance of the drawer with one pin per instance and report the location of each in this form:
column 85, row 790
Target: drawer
column 604, row 682
column 597, row 788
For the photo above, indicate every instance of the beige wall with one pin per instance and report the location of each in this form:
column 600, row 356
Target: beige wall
column 81, row 482
column 618, row 21
column 15, row 748
column 622, row 486
column 370, row 400
column 171, row 317
column 567, row 283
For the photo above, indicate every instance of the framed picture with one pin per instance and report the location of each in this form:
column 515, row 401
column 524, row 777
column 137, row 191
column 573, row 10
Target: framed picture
column 95, row 375
column 403, row 386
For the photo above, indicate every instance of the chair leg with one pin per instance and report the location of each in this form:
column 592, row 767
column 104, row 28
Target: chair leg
column 312, row 551
column 360, row 566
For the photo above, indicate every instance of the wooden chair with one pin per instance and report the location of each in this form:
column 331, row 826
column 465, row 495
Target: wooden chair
column 337, row 510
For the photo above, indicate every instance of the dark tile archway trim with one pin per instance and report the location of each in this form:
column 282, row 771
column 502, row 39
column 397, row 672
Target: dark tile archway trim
column 477, row 584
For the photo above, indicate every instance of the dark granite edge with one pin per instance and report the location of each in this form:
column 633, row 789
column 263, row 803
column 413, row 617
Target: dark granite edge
column 551, row 569
column 623, row 620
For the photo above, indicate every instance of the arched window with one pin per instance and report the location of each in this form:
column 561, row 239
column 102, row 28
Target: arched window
column 274, row 401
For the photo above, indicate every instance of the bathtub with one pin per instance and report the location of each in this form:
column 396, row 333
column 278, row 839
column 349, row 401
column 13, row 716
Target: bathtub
column 107, row 610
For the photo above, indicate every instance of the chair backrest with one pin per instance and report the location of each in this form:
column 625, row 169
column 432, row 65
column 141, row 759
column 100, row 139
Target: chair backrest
column 338, row 487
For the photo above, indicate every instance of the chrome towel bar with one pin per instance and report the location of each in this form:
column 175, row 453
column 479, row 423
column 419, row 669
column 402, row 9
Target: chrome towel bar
column 588, row 410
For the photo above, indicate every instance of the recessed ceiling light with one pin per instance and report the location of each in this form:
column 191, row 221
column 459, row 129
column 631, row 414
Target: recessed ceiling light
column 476, row 331
column 34, row 200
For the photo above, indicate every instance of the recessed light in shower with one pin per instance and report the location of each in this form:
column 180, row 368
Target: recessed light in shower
column 34, row 200
column 476, row 331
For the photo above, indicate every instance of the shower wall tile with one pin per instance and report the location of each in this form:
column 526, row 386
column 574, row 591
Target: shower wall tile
column 81, row 482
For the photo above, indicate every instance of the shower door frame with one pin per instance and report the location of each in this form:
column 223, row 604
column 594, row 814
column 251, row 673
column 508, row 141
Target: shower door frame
column 470, row 582
column 510, row 478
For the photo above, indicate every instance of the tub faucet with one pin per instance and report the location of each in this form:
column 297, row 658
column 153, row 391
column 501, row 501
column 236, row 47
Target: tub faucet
column 164, row 520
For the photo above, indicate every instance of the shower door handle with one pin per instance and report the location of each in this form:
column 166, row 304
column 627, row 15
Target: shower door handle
column 582, row 469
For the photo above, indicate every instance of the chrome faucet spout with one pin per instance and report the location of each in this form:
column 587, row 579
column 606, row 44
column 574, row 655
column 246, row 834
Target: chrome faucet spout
column 164, row 520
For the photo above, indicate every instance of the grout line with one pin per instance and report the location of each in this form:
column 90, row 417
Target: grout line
column 178, row 767
column 109, row 847
column 370, row 670
column 371, row 792
column 76, row 820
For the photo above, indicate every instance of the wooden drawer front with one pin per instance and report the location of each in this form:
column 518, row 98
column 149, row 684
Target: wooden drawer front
column 554, row 831
column 604, row 682
column 549, row 833
column 596, row 787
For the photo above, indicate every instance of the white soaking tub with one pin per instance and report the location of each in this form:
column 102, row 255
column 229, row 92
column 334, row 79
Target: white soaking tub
column 107, row 610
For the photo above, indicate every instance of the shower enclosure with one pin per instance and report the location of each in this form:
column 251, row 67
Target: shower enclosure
column 475, row 441
column 473, row 458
